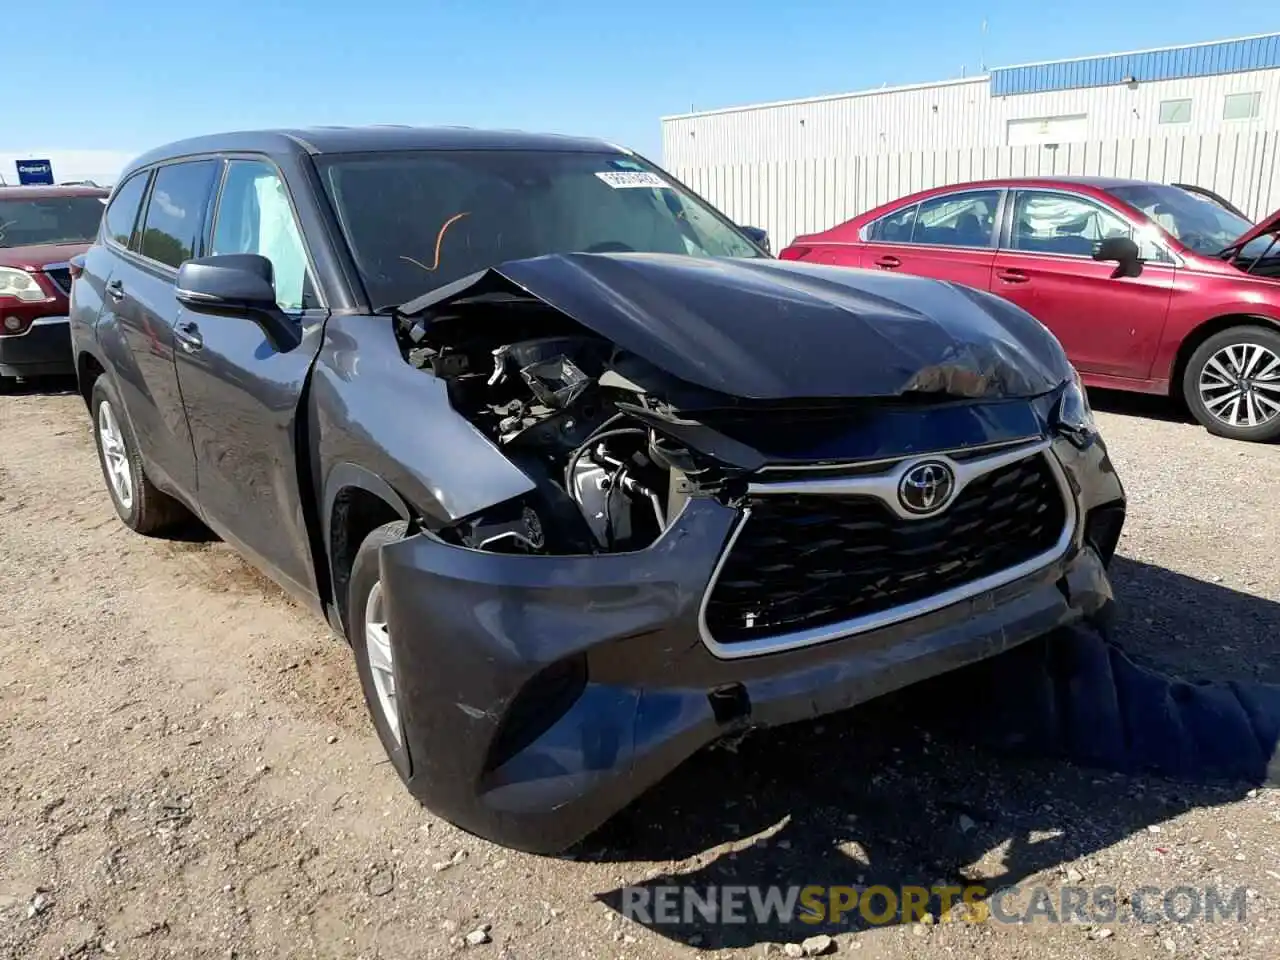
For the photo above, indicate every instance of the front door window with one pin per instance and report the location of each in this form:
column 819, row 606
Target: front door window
column 254, row 216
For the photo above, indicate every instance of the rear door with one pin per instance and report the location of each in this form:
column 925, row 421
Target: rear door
column 1110, row 327
column 948, row 237
column 242, row 391
column 140, row 294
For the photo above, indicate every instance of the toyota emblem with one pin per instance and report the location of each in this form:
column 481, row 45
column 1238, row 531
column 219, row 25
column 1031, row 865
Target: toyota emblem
column 927, row 487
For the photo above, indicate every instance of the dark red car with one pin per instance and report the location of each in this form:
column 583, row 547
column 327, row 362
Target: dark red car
column 41, row 229
column 1149, row 287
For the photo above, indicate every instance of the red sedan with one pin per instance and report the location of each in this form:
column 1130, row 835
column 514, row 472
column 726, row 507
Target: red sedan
column 41, row 229
column 1149, row 287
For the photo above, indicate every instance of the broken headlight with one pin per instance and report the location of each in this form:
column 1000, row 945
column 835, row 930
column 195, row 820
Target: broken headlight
column 1074, row 416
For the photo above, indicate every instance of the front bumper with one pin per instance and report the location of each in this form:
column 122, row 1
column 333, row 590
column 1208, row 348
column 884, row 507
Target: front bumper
column 540, row 695
column 44, row 350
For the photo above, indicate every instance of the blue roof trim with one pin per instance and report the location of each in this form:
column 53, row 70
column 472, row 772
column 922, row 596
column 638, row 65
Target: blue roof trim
column 1205, row 60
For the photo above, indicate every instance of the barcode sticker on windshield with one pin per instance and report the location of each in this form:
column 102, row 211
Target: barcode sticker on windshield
column 620, row 179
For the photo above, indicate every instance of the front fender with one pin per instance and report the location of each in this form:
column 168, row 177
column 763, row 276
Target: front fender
column 393, row 426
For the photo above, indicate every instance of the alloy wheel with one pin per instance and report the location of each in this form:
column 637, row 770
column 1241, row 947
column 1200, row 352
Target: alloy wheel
column 1240, row 385
column 381, row 658
column 115, row 455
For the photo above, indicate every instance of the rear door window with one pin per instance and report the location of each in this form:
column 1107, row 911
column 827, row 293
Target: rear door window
column 958, row 220
column 175, row 212
column 895, row 227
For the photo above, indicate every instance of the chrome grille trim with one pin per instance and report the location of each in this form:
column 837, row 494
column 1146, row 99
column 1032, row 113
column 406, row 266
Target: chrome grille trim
column 1023, row 443
column 884, row 486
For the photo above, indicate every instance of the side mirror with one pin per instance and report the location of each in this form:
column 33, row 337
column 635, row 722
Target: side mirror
column 231, row 283
column 236, row 284
column 1123, row 251
column 757, row 236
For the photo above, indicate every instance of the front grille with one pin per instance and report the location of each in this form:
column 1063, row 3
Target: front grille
column 61, row 277
column 806, row 561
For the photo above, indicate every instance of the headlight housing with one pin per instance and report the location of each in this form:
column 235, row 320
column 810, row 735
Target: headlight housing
column 20, row 285
column 1074, row 416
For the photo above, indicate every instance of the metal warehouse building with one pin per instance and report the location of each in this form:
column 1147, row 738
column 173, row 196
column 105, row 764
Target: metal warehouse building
column 1207, row 113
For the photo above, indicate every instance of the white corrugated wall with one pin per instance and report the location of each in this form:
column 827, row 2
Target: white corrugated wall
column 953, row 115
column 788, row 197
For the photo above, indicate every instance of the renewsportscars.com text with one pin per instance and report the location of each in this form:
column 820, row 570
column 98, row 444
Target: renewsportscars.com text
column 879, row 905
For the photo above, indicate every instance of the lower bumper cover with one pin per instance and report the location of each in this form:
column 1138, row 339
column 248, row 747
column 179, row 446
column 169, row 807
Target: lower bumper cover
column 43, row 351
column 600, row 663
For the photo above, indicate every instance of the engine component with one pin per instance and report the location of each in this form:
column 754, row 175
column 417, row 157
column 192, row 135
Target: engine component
column 603, row 504
column 520, row 532
column 557, row 383
column 561, row 410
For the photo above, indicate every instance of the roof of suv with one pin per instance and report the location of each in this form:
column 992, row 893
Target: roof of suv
column 36, row 193
column 329, row 140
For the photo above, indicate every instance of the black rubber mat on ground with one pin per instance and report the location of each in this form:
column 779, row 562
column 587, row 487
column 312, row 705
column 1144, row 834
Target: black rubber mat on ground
column 1075, row 696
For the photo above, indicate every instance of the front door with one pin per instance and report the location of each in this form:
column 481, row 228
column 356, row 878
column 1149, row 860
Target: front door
column 1110, row 327
column 242, row 391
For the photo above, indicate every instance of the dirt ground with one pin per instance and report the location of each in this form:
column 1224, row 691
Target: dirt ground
column 186, row 769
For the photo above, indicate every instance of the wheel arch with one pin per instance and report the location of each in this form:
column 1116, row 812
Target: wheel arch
column 89, row 367
column 356, row 502
column 1192, row 341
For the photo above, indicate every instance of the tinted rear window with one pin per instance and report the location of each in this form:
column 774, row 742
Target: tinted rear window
column 175, row 212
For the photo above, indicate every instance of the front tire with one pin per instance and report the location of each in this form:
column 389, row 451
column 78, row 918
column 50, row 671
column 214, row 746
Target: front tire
column 1232, row 384
column 371, row 641
column 140, row 505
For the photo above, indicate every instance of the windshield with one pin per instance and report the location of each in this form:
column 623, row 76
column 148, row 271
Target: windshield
column 25, row 223
column 1196, row 221
column 418, row 220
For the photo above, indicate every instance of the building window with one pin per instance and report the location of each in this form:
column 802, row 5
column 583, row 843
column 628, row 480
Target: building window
column 1175, row 111
column 1029, row 131
column 1241, row 106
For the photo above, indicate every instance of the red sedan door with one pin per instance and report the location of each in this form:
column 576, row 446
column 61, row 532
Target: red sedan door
column 1109, row 327
column 947, row 237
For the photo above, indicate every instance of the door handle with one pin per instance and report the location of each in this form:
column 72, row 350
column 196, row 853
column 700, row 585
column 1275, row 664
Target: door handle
column 115, row 290
column 188, row 336
column 888, row 263
column 1012, row 276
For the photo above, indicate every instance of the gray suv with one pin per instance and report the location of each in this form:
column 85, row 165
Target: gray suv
column 585, row 477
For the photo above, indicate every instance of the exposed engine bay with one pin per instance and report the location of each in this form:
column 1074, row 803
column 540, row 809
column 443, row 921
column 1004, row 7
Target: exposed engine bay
column 623, row 385
column 557, row 401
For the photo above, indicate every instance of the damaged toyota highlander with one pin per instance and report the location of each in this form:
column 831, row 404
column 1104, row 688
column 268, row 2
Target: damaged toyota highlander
column 587, row 480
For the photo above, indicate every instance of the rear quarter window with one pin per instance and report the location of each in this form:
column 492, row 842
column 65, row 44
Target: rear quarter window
column 122, row 213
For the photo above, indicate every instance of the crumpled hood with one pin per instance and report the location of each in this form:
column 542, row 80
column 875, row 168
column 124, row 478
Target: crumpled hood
column 782, row 330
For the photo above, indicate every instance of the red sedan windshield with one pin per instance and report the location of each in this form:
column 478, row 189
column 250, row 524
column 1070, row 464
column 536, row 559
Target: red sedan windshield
column 28, row 222
column 1198, row 223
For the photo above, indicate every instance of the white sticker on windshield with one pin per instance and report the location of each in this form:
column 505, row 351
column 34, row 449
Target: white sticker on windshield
column 621, row 179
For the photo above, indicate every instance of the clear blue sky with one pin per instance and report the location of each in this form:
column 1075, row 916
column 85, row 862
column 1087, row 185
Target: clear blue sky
column 104, row 79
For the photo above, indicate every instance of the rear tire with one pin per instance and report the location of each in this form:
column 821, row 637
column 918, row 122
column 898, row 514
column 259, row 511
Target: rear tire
column 140, row 505
column 1234, row 376
column 373, row 645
